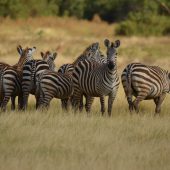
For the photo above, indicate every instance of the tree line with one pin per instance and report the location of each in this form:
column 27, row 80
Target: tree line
column 125, row 12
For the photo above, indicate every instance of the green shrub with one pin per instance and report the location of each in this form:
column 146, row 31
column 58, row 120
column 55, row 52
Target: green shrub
column 141, row 24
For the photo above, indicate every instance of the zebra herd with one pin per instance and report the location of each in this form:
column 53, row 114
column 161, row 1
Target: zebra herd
column 91, row 75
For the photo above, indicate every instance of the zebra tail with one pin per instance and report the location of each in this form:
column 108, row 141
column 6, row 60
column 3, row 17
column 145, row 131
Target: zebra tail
column 1, row 86
column 129, row 87
column 39, row 91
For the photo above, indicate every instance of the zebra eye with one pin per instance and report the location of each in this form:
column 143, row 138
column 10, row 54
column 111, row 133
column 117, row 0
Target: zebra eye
column 89, row 54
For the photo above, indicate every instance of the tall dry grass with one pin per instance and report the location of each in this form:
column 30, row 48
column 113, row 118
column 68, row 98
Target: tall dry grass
column 58, row 140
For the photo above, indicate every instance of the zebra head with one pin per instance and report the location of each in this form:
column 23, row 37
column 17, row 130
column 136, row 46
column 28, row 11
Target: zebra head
column 27, row 52
column 25, row 55
column 49, row 58
column 111, row 52
column 92, row 52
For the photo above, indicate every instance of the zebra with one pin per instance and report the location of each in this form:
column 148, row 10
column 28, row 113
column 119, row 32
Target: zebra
column 145, row 83
column 98, row 57
column 96, row 80
column 64, row 88
column 32, row 69
column 52, row 84
column 10, row 79
column 20, row 50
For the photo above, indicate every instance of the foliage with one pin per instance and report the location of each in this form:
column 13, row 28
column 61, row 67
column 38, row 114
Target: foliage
column 135, row 17
column 146, row 22
column 109, row 10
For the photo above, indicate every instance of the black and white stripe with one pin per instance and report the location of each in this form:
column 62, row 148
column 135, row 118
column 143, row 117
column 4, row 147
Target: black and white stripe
column 145, row 82
column 31, row 70
column 51, row 84
column 97, row 80
column 11, row 76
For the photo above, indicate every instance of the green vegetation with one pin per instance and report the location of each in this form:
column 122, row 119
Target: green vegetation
column 148, row 21
column 134, row 17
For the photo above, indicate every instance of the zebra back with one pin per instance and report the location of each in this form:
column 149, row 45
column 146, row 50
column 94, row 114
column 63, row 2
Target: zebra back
column 53, row 84
column 90, row 53
column 150, row 80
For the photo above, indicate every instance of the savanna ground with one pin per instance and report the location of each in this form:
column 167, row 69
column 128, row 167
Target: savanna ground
column 58, row 140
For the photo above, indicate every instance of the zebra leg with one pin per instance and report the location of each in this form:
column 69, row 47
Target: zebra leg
column 13, row 102
column 111, row 99
column 138, row 99
column 81, row 104
column 89, row 101
column 5, row 102
column 46, row 101
column 20, row 102
column 158, row 101
column 131, row 106
column 77, row 96
column 25, row 100
column 38, row 101
column 102, row 102
column 64, row 104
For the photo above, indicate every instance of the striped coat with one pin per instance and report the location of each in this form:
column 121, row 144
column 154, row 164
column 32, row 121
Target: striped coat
column 10, row 79
column 96, row 80
column 145, row 82
column 95, row 55
column 31, row 70
column 60, row 84
column 51, row 84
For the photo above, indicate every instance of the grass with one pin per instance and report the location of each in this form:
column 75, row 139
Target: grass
column 37, row 140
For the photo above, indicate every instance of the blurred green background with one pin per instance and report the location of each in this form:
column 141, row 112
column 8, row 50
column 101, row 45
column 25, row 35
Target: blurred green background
column 134, row 17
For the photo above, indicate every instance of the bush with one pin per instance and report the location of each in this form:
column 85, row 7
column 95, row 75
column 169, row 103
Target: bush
column 144, row 24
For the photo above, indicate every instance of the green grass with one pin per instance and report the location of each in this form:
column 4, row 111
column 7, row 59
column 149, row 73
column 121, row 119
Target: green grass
column 35, row 140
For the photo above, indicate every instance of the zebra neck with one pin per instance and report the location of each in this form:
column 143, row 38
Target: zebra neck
column 20, row 64
column 109, row 72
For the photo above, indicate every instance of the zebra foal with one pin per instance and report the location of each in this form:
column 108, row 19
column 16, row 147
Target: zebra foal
column 145, row 82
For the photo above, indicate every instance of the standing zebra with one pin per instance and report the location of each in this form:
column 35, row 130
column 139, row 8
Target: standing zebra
column 91, row 53
column 10, row 79
column 52, row 84
column 59, row 85
column 96, row 80
column 32, row 69
column 145, row 82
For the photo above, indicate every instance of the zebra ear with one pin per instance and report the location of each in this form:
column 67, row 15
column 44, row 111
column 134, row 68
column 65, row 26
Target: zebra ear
column 42, row 54
column 54, row 55
column 117, row 43
column 20, row 50
column 95, row 46
column 106, row 42
column 33, row 49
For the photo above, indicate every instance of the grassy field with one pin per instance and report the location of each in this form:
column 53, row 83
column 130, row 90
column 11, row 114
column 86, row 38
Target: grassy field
column 35, row 140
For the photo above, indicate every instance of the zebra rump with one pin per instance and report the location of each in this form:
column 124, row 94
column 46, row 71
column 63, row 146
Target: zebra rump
column 145, row 82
